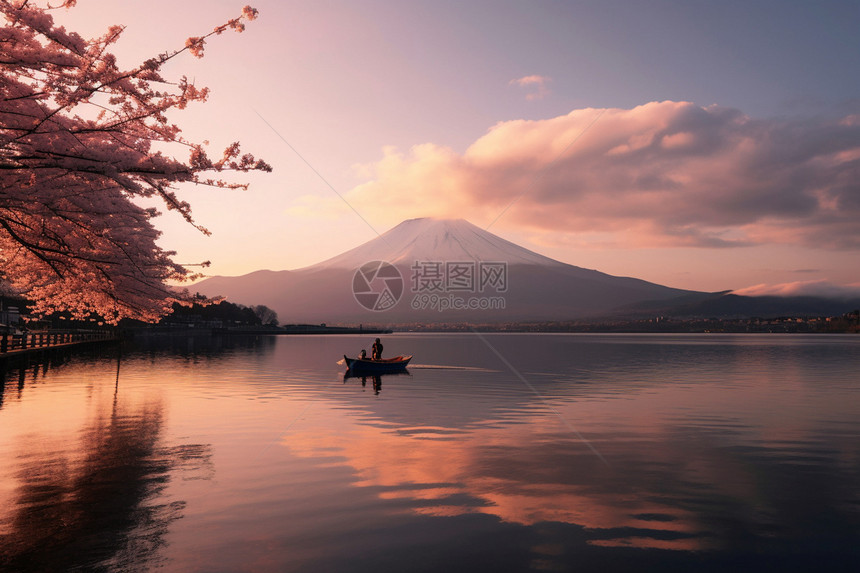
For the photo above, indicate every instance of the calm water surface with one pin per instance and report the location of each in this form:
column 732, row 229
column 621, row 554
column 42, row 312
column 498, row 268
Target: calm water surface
column 495, row 453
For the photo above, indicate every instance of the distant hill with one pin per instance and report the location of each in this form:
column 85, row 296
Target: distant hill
column 728, row 305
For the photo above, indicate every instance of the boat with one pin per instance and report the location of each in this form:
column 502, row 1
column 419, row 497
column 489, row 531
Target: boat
column 366, row 365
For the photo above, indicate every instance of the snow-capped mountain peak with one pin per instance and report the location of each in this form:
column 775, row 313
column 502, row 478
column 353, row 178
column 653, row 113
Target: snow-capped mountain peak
column 429, row 239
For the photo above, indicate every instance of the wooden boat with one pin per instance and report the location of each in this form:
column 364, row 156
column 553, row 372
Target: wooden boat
column 374, row 366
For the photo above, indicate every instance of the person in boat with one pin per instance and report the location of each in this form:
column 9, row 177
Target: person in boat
column 362, row 355
column 376, row 350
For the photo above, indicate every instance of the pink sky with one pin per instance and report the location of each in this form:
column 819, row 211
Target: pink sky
column 638, row 142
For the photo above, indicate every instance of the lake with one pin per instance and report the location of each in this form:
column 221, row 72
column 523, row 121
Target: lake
column 496, row 452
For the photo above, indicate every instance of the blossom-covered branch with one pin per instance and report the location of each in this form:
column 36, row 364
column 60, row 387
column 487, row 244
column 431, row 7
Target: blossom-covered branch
column 80, row 141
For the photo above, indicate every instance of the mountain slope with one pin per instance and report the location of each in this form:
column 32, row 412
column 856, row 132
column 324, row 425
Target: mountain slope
column 535, row 287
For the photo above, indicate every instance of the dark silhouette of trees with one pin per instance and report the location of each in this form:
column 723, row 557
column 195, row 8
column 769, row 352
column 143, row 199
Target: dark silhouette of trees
column 267, row 316
column 226, row 313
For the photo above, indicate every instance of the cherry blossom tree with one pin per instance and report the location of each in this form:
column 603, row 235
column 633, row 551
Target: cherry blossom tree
column 82, row 141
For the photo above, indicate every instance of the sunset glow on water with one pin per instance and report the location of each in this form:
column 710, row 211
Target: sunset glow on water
column 256, row 454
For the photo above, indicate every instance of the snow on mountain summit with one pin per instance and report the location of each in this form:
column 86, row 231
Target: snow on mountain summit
column 429, row 239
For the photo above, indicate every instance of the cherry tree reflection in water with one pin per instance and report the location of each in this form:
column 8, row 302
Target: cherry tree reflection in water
column 94, row 503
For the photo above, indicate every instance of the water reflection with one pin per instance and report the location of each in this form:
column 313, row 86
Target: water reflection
column 668, row 490
column 212, row 344
column 37, row 368
column 376, row 379
column 93, row 501
column 719, row 454
column 527, row 478
column 720, row 448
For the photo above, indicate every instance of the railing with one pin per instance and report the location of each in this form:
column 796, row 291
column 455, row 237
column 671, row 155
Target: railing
column 36, row 340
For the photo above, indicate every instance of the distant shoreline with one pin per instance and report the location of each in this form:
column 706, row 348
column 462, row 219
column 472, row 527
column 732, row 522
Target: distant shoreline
column 313, row 329
column 847, row 323
column 252, row 330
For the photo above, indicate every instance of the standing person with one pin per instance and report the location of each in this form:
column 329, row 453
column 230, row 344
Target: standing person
column 376, row 350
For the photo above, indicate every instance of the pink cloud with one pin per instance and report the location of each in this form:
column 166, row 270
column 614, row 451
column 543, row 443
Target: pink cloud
column 539, row 86
column 821, row 288
column 661, row 174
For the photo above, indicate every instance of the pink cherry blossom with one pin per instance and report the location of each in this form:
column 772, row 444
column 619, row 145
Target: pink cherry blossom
column 76, row 150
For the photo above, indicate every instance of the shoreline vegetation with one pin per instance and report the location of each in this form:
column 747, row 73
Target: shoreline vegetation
column 845, row 324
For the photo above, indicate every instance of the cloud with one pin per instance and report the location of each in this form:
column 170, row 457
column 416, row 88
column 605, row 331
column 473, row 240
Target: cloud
column 660, row 174
column 820, row 288
column 538, row 86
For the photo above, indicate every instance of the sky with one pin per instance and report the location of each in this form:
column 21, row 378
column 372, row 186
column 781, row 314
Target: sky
column 703, row 145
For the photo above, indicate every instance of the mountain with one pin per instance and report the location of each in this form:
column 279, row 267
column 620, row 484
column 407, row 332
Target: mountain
column 410, row 272
column 436, row 239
